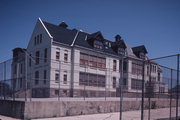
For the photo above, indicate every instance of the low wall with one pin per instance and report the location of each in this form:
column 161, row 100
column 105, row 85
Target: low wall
column 45, row 109
column 12, row 108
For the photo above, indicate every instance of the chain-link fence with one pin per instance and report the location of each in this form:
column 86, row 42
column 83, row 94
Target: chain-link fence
column 152, row 82
column 53, row 79
column 162, row 88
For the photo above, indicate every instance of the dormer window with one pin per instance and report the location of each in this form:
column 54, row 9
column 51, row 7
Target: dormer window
column 120, row 51
column 140, row 51
column 141, row 55
column 98, row 45
column 109, row 44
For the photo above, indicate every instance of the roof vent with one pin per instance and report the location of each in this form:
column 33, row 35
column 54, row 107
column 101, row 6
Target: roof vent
column 63, row 24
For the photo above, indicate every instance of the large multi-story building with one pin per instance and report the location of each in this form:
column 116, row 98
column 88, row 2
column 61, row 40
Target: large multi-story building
column 70, row 62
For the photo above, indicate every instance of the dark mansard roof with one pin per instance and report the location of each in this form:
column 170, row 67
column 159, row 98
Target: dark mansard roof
column 62, row 34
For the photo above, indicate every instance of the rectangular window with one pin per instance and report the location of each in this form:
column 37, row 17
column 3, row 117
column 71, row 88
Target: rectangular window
column 124, row 82
column 56, row 92
column 137, row 67
column 159, row 76
column 57, row 55
column 147, row 70
column 40, row 39
column 141, row 55
column 15, row 69
column 121, row 51
column 37, row 57
column 114, row 65
column 36, row 77
column 84, row 59
column 82, row 78
column 45, row 55
column 45, row 76
column 21, row 83
column 161, row 89
column 14, row 83
column 21, row 68
column 136, row 84
column 114, row 82
column 94, row 80
column 30, row 60
column 98, row 45
column 153, row 68
column 92, row 60
column 65, row 79
column 57, row 78
column 35, row 41
column 65, row 57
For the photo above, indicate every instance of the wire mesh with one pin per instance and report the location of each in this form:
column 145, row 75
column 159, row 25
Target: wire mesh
column 53, row 79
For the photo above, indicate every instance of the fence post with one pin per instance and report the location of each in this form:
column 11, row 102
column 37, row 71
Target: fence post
column 84, row 93
column 25, row 65
column 4, row 83
column 30, row 84
column 121, row 87
column 149, row 90
column 171, row 94
column 105, row 91
column 142, row 102
column 177, row 94
column 59, row 93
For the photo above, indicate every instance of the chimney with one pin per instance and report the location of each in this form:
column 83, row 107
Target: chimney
column 63, row 24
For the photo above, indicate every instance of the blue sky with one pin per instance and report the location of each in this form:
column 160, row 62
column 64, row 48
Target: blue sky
column 153, row 23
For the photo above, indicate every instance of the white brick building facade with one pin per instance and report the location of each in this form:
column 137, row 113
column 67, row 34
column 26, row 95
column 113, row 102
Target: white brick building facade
column 64, row 62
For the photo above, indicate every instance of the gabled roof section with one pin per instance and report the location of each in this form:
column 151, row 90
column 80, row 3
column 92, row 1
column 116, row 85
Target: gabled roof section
column 97, row 35
column 138, row 49
column 45, row 27
column 60, row 34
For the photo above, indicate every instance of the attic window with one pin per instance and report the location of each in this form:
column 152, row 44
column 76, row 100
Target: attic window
column 120, row 51
column 38, row 39
column 98, row 45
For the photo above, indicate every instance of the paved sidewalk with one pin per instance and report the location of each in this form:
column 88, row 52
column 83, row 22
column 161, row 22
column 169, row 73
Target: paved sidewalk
column 129, row 115
column 7, row 118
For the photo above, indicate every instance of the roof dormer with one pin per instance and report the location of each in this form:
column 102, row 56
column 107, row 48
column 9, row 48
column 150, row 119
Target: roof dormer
column 140, row 51
column 96, row 40
column 119, row 45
